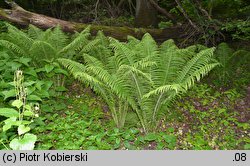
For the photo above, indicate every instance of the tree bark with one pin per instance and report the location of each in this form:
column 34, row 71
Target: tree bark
column 23, row 17
column 146, row 14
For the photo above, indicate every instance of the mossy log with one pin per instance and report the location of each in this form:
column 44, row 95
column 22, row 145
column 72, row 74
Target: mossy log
column 20, row 16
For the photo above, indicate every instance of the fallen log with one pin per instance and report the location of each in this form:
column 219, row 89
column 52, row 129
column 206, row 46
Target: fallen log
column 23, row 17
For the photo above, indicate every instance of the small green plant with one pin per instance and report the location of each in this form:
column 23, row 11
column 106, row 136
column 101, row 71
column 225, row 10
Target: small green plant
column 163, row 25
column 37, row 89
column 239, row 29
column 21, row 116
column 232, row 64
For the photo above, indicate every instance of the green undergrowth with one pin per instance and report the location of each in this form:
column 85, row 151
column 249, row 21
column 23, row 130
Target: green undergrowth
column 209, row 119
column 81, row 123
column 127, row 97
column 204, row 119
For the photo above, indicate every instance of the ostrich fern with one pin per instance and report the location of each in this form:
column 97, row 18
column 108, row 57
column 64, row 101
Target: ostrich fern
column 44, row 45
column 232, row 64
column 139, row 75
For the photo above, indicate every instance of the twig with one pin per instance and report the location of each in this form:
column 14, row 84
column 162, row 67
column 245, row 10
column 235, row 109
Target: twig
column 203, row 10
column 131, row 6
column 186, row 16
column 120, row 4
column 96, row 6
column 161, row 10
column 13, row 5
column 110, row 9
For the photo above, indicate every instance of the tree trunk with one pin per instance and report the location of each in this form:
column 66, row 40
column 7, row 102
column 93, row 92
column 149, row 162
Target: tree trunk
column 20, row 16
column 146, row 14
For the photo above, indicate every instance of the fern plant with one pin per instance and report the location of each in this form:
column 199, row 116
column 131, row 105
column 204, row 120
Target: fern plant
column 141, row 76
column 170, row 72
column 101, row 75
column 44, row 47
column 41, row 45
column 232, row 64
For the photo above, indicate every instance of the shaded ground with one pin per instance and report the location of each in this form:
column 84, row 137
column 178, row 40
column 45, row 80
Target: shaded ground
column 243, row 107
column 203, row 119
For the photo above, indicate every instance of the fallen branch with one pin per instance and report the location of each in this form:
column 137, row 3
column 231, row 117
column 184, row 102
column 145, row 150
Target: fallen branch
column 21, row 16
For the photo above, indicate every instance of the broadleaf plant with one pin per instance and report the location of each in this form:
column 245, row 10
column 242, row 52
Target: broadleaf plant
column 21, row 116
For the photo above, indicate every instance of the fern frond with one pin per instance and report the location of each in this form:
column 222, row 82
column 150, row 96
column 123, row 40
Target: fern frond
column 19, row 38
column 164, row 89
column 132, row 42
column 78, row 70
column 168, row 44
column 147, row 47
column 45, row 35
column 197, row 75
column 42, row 50
column 58, row 39
column 169, row 63
column 123, row 54
column 223, row 54
column 144, row 63
column 12, row 47
column 34, row 32
column 197, row 62
column 103, row 39
column 78, row 42
column 90, row 45
column 126, row 69
column 72, row 66
column 196, row 48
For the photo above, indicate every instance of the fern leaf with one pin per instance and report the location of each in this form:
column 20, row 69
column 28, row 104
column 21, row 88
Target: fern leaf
column 78, row 42
column 198, row 61
column 42, row 50
column 12, row 47
column 72, row 66
column 89, row 46
column 197, row 75
column 164, row 89
column 58, row 39
column 34, row 32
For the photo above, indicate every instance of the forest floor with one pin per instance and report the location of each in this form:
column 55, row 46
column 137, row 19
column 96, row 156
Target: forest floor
column 205, row 118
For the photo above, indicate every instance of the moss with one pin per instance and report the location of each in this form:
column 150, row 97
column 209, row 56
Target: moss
column 3, row 13
column 120, row 33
